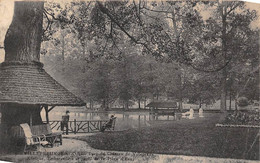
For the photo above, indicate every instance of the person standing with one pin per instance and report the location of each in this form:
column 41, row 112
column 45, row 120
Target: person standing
column 65, row 121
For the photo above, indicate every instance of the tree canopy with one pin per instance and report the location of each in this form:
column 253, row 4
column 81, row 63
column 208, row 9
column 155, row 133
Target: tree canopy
column 131, row 50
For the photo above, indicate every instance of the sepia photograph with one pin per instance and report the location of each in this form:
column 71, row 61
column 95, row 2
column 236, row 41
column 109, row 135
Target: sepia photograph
column 132, row 81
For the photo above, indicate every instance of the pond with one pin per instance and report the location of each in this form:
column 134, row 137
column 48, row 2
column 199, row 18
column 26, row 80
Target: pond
column 125, row 119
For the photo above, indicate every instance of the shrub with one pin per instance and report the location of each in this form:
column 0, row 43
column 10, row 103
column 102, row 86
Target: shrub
column 244, row 118
column 243, row 101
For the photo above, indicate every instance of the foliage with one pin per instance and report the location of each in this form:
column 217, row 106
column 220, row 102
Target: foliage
column 242, row 101
column 243, row 118
column 85, row 35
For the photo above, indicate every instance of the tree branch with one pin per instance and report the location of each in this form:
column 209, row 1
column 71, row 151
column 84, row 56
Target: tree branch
column 137, row 13
column 231, row 9
column 52, row 15
column 114, row 44
column 106, row 11
column 214, row 70
column 49, row 22
column 152, row 17
column 103, row 50
column 158, row 11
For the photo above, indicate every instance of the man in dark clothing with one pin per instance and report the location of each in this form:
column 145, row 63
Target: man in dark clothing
column 65, row 121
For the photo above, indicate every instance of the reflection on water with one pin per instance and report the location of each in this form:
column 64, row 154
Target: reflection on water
column 125, row 120
column 83, row 116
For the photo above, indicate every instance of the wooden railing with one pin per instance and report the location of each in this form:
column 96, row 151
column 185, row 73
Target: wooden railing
column 79, row 126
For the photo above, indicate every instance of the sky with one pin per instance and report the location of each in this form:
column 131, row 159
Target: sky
column 7, row 7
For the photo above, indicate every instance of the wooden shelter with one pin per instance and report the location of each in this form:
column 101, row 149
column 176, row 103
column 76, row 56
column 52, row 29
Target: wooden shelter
column 162, row 105
column 162, row 108
column 26, row 88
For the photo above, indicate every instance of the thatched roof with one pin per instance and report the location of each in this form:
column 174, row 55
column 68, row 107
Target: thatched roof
column 5, row 99
column 29, row 83
column 162, row 104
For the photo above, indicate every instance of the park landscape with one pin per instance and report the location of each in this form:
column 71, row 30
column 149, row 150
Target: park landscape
column 148, row 63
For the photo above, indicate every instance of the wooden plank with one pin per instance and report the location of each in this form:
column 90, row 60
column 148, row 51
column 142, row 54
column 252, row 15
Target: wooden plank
column 75, row 126
column 88, row 126
column 46, row 113
column 30, row 119
column 51, row 108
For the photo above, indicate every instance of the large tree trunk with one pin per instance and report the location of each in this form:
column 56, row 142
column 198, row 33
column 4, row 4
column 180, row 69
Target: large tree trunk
column 180, row 104
column 224, row 50
column 180, row 85
column 223, row 91
column 145, row 103
column 139, row 104
column 22, row 44
column 126, row 105
column 14, row 114
column 84, row 56
column 200, row 104
column 23, row 38
column 63, row 52
column 230, row 99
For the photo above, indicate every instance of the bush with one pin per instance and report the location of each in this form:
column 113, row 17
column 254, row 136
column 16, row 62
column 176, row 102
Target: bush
column 243, row 101
column 243, row 118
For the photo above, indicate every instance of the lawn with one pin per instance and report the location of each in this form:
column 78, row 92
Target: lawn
column 196, row 137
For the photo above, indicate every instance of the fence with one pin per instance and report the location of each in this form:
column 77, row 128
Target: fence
column 79, row 126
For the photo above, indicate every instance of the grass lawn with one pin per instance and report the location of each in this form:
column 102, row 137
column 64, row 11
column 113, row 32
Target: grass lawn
column 196, row 137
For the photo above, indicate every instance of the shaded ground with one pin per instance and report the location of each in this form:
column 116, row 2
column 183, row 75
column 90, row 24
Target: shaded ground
column 79, row 151
column 197, row 137
column 175, row 141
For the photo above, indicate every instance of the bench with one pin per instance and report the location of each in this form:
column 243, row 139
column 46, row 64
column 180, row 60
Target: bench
column 22, row 134
column 110, row 125
column 45, row 133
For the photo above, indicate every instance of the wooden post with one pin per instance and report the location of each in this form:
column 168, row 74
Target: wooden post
column 145, row 120
column 75, row 126
column 88, row 126
column 46, row 114
column 30, row 119
column 139, row 121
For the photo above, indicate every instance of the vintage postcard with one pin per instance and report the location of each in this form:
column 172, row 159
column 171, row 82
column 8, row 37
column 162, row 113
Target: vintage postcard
column 129, row 81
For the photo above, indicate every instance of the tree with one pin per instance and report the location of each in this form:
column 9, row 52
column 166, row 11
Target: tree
column 229, row 29
column 27, row 18
column 173, row 32
column 23, row 47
